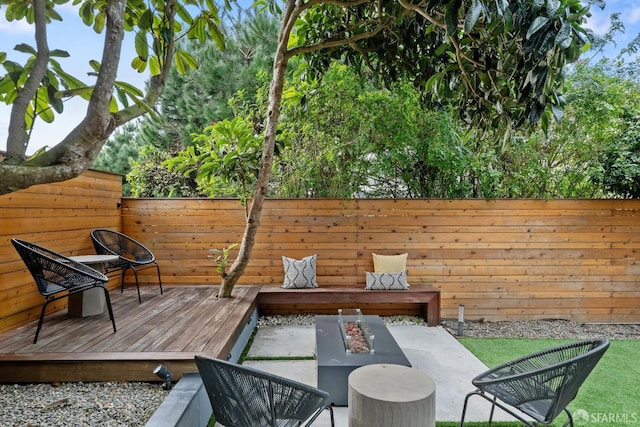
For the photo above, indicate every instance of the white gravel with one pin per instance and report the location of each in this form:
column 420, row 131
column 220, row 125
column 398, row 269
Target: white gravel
column 132, row 404
column 79, row 404
column 557, row 329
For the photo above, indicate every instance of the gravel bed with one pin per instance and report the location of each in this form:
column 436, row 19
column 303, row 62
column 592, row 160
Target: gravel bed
column 557, row 329
column 79, row 404
column 310, row 319
column 132, row 404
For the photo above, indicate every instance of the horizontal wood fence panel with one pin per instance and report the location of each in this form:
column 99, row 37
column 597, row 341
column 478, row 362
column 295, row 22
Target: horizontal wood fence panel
column 503, row 259
column 59, row 217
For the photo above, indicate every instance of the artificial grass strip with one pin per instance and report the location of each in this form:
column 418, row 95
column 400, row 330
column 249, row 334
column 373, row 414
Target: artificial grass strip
column 608, row 398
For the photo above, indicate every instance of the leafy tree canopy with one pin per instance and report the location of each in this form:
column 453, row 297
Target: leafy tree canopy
column 36, row 88
column 498, row 62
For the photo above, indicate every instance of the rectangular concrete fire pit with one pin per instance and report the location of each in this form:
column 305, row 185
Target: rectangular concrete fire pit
column 335, row 364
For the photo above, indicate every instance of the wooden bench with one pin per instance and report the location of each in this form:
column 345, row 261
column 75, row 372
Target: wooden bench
column 420, row 299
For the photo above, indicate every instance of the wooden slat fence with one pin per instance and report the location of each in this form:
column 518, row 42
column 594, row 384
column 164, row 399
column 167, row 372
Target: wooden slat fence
column 57, row 216
column 502, row 259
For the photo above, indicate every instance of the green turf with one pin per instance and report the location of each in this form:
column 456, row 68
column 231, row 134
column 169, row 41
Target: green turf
column 609, row 396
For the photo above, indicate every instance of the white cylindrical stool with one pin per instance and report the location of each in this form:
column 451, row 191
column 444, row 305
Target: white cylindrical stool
column 391, row 396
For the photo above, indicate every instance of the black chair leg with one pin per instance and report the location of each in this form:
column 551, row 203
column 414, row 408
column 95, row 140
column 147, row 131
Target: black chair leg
column 108, row 300
column 494, row 402
column 569, row 421
column 44, row 306
column 135, row 273
column 464, row 407
column 493, row 408
column 124, row 270
column 159, row 280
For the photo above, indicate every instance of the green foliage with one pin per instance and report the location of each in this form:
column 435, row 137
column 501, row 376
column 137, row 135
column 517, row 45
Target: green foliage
column 222, row 258
column 498, row 63
column 346, row 138
column 213, row 92
column 225, row 156
column 621, row 164
column 154, row 38
column 194, row 100
column 149, row 178
column 118, row 153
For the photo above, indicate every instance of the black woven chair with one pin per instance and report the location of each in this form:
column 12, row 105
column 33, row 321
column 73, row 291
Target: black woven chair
column 58, row 276
column 245, row 397
column 540, row 385
column 132, row 254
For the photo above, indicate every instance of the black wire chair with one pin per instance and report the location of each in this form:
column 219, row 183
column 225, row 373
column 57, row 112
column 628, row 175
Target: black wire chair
column 58, row 276
column 540, row 385
column 245, row 397
column 131, row 254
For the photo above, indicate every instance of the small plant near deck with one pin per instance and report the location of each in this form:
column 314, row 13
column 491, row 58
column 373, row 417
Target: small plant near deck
column 222, row 258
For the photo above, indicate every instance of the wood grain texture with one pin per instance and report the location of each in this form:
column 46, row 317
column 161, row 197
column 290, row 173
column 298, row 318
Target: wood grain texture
column 503, row 259
column 169, row 329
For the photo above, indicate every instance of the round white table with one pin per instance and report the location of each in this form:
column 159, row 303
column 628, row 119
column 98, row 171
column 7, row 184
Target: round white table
column 391, row 395
column 90, row 302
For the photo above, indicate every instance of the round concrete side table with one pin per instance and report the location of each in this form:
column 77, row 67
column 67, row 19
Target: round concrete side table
column 391, row 395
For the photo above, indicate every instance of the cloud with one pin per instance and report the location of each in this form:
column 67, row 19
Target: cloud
column 598, row 23
column 634, row 15
column 13, row 27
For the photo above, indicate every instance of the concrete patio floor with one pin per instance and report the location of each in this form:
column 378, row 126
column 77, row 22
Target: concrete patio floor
column 430, row 349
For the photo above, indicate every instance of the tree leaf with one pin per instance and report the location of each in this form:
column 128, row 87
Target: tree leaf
column 217, row 36
column 55, row 102
column 537, row 25
column 558, row 112
column 58, row 53
column 100, row 21
column 142, row 48
column 563, row 38
column 113, row 105
column 95, row 65
column 451, row 16
column 188, row 59
column 129, row 88
column 25, row 48
column 154, row 65
column 472, row 16
column 181, row 66
column 552, row 7
column 86, row 13
column 139, row 64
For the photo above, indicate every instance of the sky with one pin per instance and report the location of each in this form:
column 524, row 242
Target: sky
column 83, row 44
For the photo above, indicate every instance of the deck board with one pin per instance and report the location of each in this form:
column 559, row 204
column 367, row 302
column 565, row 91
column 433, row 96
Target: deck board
column 168, row 329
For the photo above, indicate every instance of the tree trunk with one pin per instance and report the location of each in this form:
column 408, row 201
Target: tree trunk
column 78, row 150
column 280, row 62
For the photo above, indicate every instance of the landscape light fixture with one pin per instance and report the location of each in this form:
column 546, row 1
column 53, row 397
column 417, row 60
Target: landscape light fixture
column 461, row 320
column 164, row 374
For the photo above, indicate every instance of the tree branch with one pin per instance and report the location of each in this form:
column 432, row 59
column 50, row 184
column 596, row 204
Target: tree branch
column 18, row 139
column 337, row 42
column 416, row 8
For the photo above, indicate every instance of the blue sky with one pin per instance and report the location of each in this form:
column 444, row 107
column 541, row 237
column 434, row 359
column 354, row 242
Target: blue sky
column 83, row 44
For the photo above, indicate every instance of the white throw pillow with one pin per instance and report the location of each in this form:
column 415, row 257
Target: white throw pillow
column 387, row 281
column 299, row 274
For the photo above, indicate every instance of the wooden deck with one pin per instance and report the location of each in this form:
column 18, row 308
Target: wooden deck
column 169, row 329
